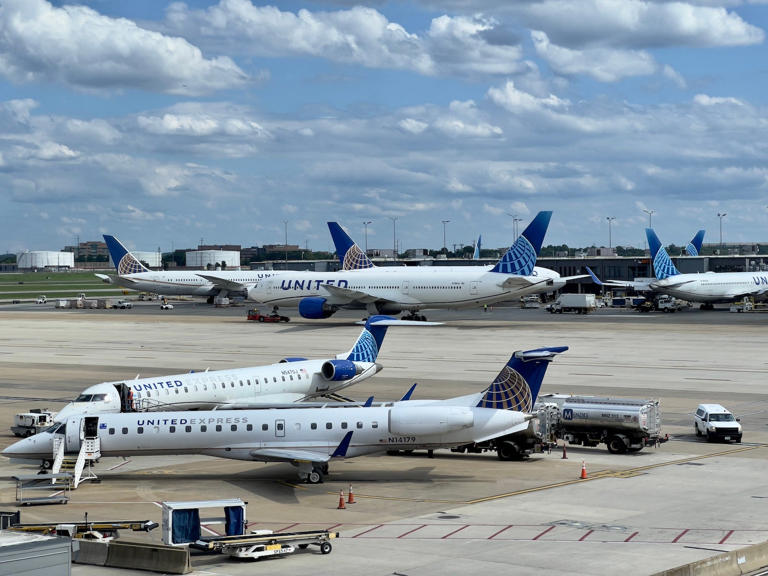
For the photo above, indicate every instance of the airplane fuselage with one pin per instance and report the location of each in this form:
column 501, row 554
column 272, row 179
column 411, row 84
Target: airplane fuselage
column 276, row 383
column 713, row 287
column 277, row 435
column 408, row 288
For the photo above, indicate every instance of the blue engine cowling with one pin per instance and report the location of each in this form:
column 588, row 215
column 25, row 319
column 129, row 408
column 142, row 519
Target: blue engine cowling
column 338, row 370
column 315, row 308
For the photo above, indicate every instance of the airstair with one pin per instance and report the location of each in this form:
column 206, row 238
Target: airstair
column 78, row 464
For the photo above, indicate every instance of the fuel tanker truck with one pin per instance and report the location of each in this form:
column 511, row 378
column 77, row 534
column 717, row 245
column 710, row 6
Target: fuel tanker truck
column 622, row 424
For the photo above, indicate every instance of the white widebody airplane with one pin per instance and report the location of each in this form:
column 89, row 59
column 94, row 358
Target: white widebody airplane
column 693, row 248
column 707, row 288
column 134, row 275
column 309, row 437
column 389, row 290
column 290, row 380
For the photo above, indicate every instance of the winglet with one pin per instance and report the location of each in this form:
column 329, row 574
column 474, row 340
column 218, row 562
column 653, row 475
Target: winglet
column 351, row 257
column 369, row 402
column 694, row 246
column 595, row 279
column 407, row 395
column 518, row 384
column 341, row 449
column 520, row 259
column 662, row 263
column 124, row 261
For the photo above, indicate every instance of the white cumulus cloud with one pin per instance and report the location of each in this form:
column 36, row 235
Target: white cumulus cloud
column 77, row 46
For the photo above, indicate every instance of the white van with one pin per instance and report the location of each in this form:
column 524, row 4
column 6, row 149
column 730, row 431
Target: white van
column 716, row 423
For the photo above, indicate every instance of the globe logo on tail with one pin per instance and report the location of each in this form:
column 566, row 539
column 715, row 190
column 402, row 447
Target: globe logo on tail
column 663, row 266
column 509, row 391
column 354, row 259
column 519, row 259
column 366, row 349
column 129, row 265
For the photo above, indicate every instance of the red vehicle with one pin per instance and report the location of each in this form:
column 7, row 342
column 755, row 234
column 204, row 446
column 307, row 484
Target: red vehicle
column 273, row 317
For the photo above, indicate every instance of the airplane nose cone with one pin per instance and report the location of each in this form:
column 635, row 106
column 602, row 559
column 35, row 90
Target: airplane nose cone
column 35, row 447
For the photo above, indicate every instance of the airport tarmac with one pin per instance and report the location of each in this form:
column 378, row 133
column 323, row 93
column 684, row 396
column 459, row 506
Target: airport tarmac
column 454, row 513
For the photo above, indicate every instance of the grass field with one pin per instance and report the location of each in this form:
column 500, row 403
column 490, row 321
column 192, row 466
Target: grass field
column 29, row 285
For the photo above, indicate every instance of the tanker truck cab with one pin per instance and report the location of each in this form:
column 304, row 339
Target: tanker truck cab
column 716, row 423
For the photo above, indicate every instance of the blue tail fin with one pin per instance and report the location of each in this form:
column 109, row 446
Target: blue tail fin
column 368, row 344
column 520, row 259
column 351, row 257
column 478, row 247
column 124, row 261
column 518, row 384
column 595, row 279
column 662, row 264
column 694, row 246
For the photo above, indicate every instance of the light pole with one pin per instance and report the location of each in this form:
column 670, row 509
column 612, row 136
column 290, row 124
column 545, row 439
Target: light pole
column 650, row 216
column 515, row 220
column 721, row 216
column 394, row 236
column 610, row 220
column 285, row 244
column 366, row 236
column 444, row 245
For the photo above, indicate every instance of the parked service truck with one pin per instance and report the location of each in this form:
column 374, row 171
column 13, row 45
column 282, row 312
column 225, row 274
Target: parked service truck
column 579, row 303
column 30, row 423
column 622, row 424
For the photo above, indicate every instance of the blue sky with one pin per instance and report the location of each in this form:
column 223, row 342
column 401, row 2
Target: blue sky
column 164, row 123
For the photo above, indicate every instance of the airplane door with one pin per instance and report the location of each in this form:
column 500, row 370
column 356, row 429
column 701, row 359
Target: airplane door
column 279, row 428
column 268, row 284
column 473, row 287
column 74, row 434
column 405, row 287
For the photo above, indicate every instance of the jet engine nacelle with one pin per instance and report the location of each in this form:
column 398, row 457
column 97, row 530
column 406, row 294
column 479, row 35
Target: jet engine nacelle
column 315, row 308
column 339, row 370
column 411, row 421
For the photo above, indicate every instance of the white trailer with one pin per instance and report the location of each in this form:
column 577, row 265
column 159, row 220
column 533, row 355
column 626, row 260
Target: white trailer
column 30, row 423
column 579, row 303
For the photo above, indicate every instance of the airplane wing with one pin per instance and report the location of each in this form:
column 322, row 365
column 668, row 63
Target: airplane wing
column 266, row 401
column 514, row 282
column 106, row 278
column 289, row 455
column 302, row 455
column 566, row 278
column 227, row 285
column 347, row 296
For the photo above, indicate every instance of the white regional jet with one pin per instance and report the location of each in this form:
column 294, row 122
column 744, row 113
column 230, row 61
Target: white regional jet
column 134, row 275
column 291, row 380
column 310, row 437
column 389, row 290
column 707, row 288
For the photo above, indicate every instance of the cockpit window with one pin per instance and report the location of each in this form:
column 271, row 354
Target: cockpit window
column 54, row 428
column 99, row 398
column 84, row 398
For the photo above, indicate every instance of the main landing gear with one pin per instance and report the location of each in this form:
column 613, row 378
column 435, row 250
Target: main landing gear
column 312, row 473
column 415, row 317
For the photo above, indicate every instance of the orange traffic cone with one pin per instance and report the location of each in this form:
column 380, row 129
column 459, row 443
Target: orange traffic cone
column 583, row 470
column 565, row 456
column 341, row 500
column 350, row 496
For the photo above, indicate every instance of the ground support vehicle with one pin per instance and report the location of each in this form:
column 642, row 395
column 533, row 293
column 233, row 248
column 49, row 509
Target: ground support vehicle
column 579, row 303
column 716, row 423
column 30, row 423
column 262, row 543
column 123, row 305
column 539, row 436
column 622, row 424
column 257, row 316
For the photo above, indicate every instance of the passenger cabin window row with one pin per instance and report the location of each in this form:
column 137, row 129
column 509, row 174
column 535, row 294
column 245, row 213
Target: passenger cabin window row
column 248, row 427
column 148, row 393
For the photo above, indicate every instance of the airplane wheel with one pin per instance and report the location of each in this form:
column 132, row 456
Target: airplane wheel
column 314, row 477
column 325, row 548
